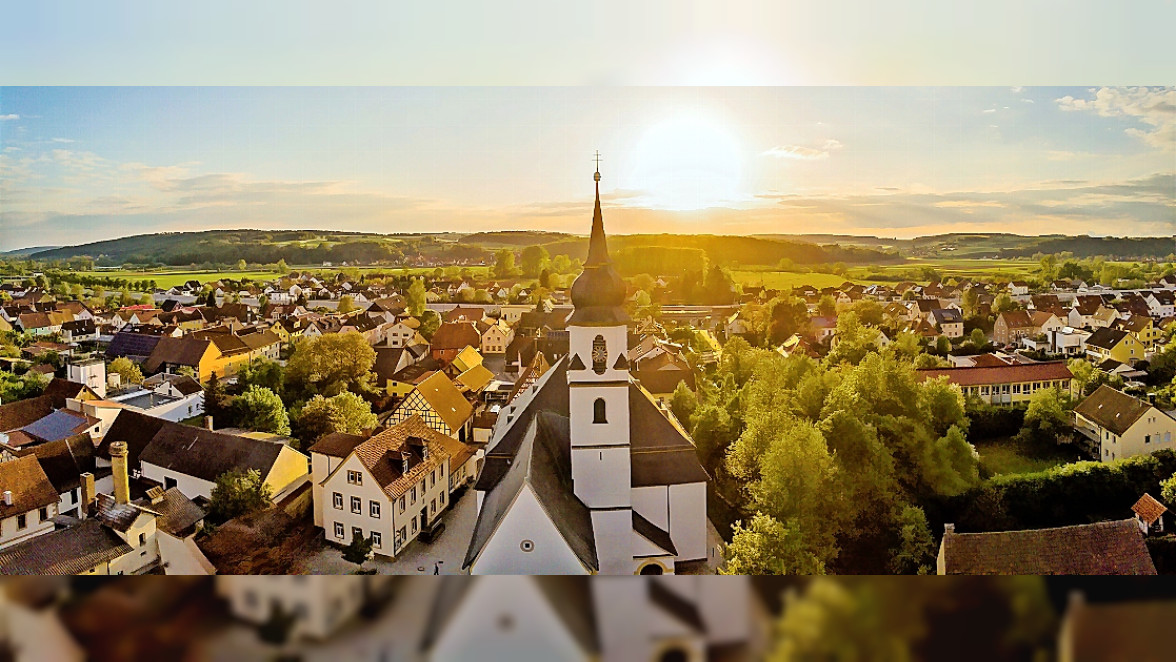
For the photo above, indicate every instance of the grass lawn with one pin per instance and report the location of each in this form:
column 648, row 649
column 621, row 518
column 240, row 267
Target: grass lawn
column 1006, row 455
column 167, row 278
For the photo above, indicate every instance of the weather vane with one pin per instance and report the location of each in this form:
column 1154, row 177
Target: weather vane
column 597, row 159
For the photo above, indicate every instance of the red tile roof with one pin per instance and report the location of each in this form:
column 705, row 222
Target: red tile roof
column 1005, row 374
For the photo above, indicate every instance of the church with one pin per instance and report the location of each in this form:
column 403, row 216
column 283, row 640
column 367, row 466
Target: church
column 585, row 473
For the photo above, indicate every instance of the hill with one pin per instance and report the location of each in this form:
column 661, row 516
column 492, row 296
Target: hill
column 23, row 252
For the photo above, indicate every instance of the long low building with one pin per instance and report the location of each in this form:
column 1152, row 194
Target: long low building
column 1005, row 384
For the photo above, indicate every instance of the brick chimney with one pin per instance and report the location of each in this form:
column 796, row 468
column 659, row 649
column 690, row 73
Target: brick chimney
column 118, row 463
column 949, row 528
column 89, row 494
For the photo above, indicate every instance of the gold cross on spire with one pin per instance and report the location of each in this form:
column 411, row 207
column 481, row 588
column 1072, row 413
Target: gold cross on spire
column 597, row 159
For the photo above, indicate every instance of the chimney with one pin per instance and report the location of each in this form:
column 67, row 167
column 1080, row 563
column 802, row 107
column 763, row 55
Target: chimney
column 949, row 528
column 88, row 491
column 118, row 462
column 208, row 422
column 8, row 497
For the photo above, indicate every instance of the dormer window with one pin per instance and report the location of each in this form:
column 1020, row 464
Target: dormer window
column 599, row 355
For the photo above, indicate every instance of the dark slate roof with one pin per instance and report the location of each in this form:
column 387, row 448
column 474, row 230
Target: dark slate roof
column 543, row 461
column 61, row 389
column 387, row 358
column 653, row 533
column 64, row 552
column 947, row 316
column 58, row 425
column 664, row 381
column 1113, row 410
column 206, row 454
column 675, row 605
column 1103, row 548
column 132, row 344
column 29, row 485
column 337, row 444
column 135, row 428
column 1106, row 338
column 178, row 515
column 16, row 415
column 65, row 460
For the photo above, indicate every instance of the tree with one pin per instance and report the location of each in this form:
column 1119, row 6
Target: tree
column 534, row 259
column 430, row 322
column 942, row 345
column 970, row 302
column 13, row 387
column 241, row 266
column 1003, row 303
column 346, row 304
column 1046, row 418
column 345, row 412
column 261, row 372
column 127, row 371
column 827, row 306
column 768, row 547
column 683, row 402
column 415, row 298
column 504, row 263
column 261, row 409
column 978, row 338
column 331, row 364
column 1168, row 491
column 359, row 551
column 238, row 492
column 915, row 553
column 188, row 371
column 216, row 401
column 282, row 268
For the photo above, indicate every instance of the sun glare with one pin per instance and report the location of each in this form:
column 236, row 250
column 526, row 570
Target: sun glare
column 686, row 163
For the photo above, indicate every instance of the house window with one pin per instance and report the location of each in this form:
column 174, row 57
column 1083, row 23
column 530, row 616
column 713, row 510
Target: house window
column 442, row 497
column 22, row 521
column 400, row 536
column 377, row 540
column 356, row 532
column 142, row 539
column 401, row 504
column 339, row 530
column 598, row 411
column 414, row 525
column 412, row 495
column 169, row 482
column 337, row 499
column 356, row 504
column 43, row 514
column 354, row 478
column 374, row 509
column 433, row 507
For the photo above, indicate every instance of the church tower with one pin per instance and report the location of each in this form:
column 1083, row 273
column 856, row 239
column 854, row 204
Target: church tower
column 598, row 384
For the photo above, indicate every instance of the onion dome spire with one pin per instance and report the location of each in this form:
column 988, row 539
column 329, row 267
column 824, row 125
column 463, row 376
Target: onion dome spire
column 598, row 293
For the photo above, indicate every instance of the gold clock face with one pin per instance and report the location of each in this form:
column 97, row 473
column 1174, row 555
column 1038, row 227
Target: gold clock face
column 599, row 353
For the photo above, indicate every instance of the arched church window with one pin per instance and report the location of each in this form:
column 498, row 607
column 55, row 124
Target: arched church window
column 599, row 414
column 652, row 569
column 599, row 355
column 674, row 655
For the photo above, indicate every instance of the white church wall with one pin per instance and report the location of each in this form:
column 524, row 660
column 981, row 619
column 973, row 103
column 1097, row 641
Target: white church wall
column 601, row 476
column 527, row 521
column 653, row 503
column 688, row 520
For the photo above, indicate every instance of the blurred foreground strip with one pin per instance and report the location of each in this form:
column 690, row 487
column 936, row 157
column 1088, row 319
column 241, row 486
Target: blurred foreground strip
column 659, row 619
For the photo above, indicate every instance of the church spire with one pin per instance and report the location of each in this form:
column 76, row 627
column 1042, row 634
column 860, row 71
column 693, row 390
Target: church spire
column 597, row 246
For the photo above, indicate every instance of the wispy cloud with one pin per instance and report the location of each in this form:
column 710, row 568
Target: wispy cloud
column 9, row 117
column 1154, row 108
column 802, row 152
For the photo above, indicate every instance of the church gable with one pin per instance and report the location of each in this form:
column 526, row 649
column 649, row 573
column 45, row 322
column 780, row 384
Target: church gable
column 527, row 542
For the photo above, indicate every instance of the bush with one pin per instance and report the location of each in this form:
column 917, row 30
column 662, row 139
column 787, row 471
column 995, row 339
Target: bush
column 986, row 421
column 1077, row 493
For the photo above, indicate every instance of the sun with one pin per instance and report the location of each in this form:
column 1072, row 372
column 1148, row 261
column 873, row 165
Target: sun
column 686, row 163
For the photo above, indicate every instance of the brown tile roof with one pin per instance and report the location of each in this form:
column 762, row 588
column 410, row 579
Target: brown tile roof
column 1111, row 409
column 1120, row 631
column 64, row 552
column 337, row 444
column 382, row 455
column 65, row 460
column 456, row 335
column 15, row 415
column 1002, row 374
column 178, row 515
column 1103, row 548
column 29, row 485
column 186, row 350
column 1148, row 509
column 1016, row 319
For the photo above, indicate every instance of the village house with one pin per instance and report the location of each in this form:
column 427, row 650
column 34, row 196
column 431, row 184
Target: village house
column 1102, row 548
column 1108, row 343
column 1011, row 326
column 440, row 404
column 451, row 338
column 1110, row 631
column 1122, row 426
column 28, row 501
column 1005, row 384
column 949, row 322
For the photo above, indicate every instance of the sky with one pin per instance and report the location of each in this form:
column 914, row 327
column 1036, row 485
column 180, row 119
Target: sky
column 82, row 164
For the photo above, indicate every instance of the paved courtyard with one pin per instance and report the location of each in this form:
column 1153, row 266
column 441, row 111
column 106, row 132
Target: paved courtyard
column 418, row 558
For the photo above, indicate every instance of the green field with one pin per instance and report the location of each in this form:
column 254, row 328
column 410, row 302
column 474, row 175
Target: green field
column 166, row 278
column 1009, row 456
column 779, row 280
column 890, row 273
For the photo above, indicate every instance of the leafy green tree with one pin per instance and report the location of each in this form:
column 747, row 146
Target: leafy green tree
column 241, row 266
column 916, row 551
column 331, row 364
column 238, row 492
column 127, row 370
column 216, row 402
column 533, row 260
column 683, row 402
column 970, row 302
column 768, row 547
column 261, row 409
column 358, row 551
column 346, row 304
column 282, row 268
column 1168, row 491
column 1047, row 416
column 978, row 338
column 28, row 385
column 827, row 306
column 430, row 322
column 710, row 426
column 1003, row 303
column 786, row 316
column 504, row 264
column 345, row 412
column 415, row 298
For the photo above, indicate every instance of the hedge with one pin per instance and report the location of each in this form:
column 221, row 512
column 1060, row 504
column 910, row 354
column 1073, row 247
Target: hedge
column 1077, row 493
column 990, row 422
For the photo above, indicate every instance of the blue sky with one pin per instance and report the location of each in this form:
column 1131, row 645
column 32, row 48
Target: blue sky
column 82, row 164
